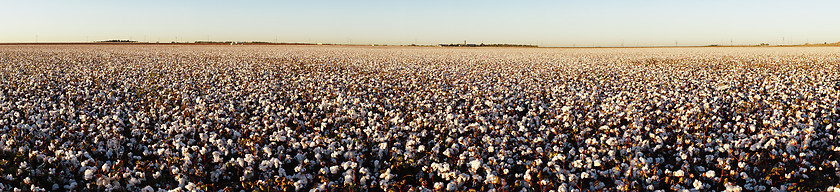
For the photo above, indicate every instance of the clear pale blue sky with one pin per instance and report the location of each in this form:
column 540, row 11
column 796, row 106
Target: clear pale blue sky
column 548, row 23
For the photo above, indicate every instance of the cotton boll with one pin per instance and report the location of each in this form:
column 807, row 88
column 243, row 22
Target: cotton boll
column 732, row 188
column 386, row 176
column 679, row 173
column 265, row 165
column 88, row 174
column 217, row 157
column 438, row 186
column 349, row 178
column 451, row 186
column 709, row 174
column 334, row 169
column 474, row 165
column 106, row 167
column 191, row 187
column 298, row 185
column 698, row 185
column 491, row 179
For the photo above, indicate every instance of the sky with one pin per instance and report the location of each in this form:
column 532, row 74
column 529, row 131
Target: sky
column 545, row 23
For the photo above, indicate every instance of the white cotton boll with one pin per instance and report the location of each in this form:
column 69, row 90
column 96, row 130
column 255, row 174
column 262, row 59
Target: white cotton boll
column 267, row 151
column 241, row 162
column 349, row 179
column 679, row 173
column 345, row 165
column 321, row 187
column 334, row 169
column 491, row 179
column 106, row 167
column 133, row 181
column 182, row 180
column 710, row 174
column 36, row 189
column 562, row 188
column 451, row 186
column 217, row 157
column 698, row 185
column 439, row 185
column 566, row 108
column 88, row 174
column 265, row 165
column 175, row 170
column 298, row 185
column 383, row 185
column 474, row 165
column 191, row 187
column 249, row 158
column 527, row 176
column 387, row 175
column 732, row 188
column 578, row 163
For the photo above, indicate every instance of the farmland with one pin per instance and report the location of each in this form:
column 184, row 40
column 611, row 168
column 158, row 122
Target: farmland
column 334, row 118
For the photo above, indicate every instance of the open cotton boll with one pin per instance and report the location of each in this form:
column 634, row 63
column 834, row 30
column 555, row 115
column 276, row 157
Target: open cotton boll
column 732, row 188
column 265, row 165
column 217, row 157
column 334, row 169
column 491, row 179
column 89, row 174
column 147, row 189
column 474, row 165
column 709, row 174
column 451, row 186
column 679, row 173
column 349, row 177
column 698, row 185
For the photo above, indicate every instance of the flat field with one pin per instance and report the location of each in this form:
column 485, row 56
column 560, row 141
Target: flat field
column 348, row 118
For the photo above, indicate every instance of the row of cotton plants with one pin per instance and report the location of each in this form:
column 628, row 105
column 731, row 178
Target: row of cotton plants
column 333, row 118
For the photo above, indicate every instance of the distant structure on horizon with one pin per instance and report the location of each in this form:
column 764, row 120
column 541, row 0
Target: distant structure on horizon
column 118, row 41
column 465, row 44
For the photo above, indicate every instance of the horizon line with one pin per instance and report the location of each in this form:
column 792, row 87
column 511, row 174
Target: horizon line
column 198, row 42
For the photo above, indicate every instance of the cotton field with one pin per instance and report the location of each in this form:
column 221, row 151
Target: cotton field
column 352, row 118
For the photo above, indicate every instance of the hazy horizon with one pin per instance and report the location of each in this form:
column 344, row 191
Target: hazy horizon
column 544, row 23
